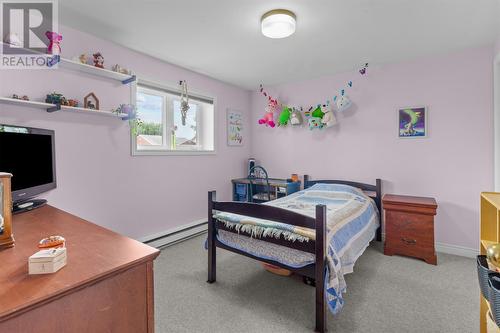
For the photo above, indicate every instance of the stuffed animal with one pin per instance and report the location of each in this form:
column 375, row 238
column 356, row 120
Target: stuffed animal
column 317, row 112
column 315, row 122
column 284, row 116
column 98, row 60
column 272, row 106
column 268, row 118
column 83, row 58
column 343, row 103
column 328, row 119
column 296, row 117
column 54, row 42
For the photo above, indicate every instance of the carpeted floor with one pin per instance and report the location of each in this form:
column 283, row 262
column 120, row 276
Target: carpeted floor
column 385, row 294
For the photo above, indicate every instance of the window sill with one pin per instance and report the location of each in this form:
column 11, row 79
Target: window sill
column 173, row 152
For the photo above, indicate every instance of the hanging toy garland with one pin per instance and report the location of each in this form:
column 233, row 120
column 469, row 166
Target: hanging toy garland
column 318, row 117
column 184, row 101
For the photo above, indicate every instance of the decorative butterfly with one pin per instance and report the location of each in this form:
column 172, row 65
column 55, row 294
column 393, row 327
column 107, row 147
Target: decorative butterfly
column 262, row 90
column 334, row 98
column 349, row 84
column 362, row 71
column 342, row 92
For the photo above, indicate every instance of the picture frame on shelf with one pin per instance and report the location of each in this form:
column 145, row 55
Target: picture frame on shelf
column 235, row 128
column 413, row 122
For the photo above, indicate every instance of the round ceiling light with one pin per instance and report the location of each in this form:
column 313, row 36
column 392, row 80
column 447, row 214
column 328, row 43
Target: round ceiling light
column 278, row 23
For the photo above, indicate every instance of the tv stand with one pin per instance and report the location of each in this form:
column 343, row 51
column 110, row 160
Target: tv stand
column 20, row 207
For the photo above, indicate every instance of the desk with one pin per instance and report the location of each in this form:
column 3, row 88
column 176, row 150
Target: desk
column 279, row 188
column 106, row 286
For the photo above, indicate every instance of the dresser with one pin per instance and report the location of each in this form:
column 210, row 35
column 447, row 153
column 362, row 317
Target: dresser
column 409, row 226
column 106, row 286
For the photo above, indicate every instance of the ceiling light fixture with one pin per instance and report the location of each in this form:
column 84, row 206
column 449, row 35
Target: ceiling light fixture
column 278, row 23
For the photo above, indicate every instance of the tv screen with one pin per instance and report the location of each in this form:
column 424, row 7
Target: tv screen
column 28, row 154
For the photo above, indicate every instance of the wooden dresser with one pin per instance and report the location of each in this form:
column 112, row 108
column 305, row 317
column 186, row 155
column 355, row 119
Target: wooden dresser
column 409, row 226
column 106, row 286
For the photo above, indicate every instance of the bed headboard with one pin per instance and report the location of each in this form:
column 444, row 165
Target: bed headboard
column 373, row 191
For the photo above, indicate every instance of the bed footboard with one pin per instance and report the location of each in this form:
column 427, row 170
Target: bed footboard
column 316, row 270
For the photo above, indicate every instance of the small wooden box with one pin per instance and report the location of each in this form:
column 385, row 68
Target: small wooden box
column 409, row 226
column 47, row 261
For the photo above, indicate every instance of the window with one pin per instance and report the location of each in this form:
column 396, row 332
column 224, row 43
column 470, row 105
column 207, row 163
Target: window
column 161, row 129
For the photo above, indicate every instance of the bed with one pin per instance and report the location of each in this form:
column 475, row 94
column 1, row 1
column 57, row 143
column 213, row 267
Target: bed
column 318, row 233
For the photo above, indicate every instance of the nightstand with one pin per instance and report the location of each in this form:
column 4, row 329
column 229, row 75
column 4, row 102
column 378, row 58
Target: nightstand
column 409, row 226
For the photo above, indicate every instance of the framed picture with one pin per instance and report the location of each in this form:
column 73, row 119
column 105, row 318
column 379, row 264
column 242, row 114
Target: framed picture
column 412, row 122
column 235, row 127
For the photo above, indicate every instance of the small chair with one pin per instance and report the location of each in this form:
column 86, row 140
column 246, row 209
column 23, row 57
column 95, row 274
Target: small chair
column 258, row 176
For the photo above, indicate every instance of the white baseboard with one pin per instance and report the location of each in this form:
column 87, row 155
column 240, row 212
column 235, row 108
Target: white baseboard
column 452, row 249
column 175, row 235
column 457, row 250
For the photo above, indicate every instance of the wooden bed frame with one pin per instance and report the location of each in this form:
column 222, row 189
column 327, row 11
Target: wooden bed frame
column 314, row 271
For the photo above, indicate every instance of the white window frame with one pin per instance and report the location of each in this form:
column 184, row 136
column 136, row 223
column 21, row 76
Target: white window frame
column 165, row 150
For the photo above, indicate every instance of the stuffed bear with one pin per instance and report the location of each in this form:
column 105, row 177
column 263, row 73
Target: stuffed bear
column 328, row 119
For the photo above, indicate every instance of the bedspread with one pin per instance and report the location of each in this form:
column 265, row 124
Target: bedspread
column 350, row 213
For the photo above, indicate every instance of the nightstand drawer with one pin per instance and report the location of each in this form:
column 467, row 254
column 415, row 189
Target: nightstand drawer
column 407, row 223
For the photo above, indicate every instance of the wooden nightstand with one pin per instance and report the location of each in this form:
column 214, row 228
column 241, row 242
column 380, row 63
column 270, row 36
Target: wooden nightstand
column 409, row 226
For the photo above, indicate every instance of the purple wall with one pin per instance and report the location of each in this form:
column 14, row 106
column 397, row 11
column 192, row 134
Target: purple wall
column 98, row 179
column 454, row 164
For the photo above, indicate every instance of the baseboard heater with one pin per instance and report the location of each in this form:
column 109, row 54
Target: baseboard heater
column 177, row 235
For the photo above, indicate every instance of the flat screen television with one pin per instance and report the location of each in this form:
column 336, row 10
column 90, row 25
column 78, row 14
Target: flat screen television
column 29, row 155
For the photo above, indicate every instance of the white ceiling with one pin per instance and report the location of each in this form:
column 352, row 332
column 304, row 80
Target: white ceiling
column 221, row 38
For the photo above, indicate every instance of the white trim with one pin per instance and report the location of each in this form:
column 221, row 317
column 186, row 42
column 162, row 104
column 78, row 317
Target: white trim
column 165, row 151
column 456, row 250
column 177, row 234
column 496, row 120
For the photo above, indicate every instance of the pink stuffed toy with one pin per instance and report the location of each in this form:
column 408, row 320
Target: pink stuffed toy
column 55, row 39
column 272, row 106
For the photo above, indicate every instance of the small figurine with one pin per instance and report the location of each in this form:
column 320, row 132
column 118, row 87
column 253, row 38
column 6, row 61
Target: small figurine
column 73, row 102
column 25, row 98
column 98, row 60
column 55, row 40
column 119, row 69
column 83, row 58
column 14, row 96
column 55, row 98
column 91, row 102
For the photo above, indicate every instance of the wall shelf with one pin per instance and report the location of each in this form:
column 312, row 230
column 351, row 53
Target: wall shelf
column 55, row 107
column 89, row 69
column 102, row 72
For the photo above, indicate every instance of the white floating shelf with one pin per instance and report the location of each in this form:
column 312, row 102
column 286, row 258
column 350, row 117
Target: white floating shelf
column 89, row 69
column 54, row 107
column 102, row 72
column 99, row 112
column 20, row 102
